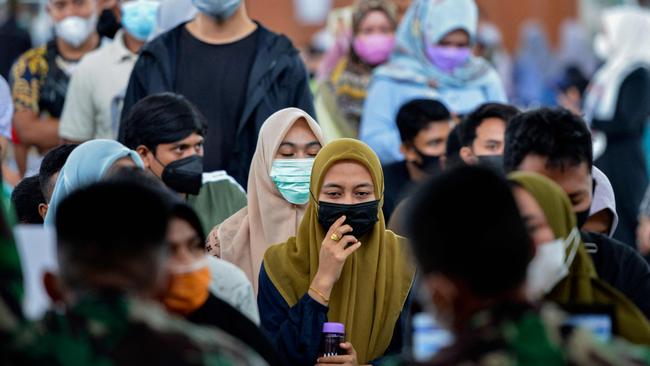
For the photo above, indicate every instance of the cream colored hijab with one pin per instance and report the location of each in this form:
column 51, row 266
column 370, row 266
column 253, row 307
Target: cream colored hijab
column 268, row 219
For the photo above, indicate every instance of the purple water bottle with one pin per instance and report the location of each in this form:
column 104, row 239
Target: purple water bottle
column 333, row 336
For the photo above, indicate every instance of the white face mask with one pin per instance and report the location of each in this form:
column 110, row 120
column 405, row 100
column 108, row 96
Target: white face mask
column 602, row 47
column 551, row 265
column 75, row 30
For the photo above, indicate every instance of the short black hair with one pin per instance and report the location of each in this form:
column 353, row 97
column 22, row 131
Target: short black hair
column 52, row 163
column 112, row 227
column 25, row 198
column 452, row 151
column 417, row 114
column 555, row 133
column 162, row 119
column 474, row 120
column 465, row 224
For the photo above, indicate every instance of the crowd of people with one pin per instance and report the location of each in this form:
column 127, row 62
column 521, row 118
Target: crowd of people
column 214, row 204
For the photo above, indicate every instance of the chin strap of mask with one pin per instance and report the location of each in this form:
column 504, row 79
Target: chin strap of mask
column 572, row 243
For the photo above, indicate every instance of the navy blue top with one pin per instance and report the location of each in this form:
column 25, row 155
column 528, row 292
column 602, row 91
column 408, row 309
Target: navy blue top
column 296, row 331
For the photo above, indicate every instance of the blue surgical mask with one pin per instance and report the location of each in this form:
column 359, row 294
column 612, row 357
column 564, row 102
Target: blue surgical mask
column 139, row 18
column 291, row 177
column 219, row 9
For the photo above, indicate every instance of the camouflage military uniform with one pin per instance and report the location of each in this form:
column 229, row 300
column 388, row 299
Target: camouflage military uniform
column 519, row 335
column 105, row 329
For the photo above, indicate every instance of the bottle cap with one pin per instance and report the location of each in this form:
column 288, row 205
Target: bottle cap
column 338, row 328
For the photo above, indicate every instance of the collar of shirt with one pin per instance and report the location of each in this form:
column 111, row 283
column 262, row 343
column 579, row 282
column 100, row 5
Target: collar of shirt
column 119, row 50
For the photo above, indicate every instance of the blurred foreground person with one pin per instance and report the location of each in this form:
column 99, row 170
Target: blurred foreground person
column 206, row 290
column 104, row 290
column 562, row 270
column 557, row 144
column 476, row 279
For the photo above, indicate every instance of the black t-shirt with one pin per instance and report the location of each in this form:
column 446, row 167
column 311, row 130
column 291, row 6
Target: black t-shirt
column 622, row 267
column 397, row 185
column 215, row 79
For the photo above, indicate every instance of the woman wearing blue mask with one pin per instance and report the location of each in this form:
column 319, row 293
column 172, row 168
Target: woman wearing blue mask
column 432, row 58
column 278, row 191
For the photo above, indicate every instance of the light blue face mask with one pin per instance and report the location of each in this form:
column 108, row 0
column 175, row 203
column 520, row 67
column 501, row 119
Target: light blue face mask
column 291, row 177
column 139, row 18
column 219, row 9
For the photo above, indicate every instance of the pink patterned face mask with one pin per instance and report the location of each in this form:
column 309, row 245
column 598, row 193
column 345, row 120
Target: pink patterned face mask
column 448, row 58
column 374, row 49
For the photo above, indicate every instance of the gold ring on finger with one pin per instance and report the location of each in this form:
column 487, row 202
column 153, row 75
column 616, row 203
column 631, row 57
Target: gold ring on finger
column 335, row 237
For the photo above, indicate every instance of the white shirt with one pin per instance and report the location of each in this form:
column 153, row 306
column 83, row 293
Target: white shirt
column 230, row 284
column 100, row 78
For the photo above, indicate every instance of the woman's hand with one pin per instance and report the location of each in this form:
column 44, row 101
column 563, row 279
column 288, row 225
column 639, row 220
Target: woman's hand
column 350, row 359
column 332, row 258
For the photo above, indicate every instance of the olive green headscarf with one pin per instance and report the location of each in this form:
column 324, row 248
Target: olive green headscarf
column 582, row 286
column 376, row 279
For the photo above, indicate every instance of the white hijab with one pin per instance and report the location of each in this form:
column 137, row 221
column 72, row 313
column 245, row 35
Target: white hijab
column 604, row 198
column 626, row 30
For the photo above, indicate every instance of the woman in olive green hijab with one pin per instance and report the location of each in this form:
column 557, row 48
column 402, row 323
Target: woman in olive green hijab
column 571, row 281
column 343, row 265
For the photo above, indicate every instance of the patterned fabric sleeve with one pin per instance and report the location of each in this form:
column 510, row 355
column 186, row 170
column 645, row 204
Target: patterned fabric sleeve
column 213, row 245
column 27, row 77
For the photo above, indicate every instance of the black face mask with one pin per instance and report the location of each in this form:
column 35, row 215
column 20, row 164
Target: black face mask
column 185, row 175
column 107, row 24
column 582, row 217
column 429, row 164
column 494, row 162
column 361, row 217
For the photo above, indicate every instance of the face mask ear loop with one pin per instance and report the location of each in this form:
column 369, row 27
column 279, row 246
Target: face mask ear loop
column 156, row 158
column 573, row 242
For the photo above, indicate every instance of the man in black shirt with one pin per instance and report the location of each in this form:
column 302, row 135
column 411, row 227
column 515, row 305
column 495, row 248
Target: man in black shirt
column 424, row 125
column 233, row 69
